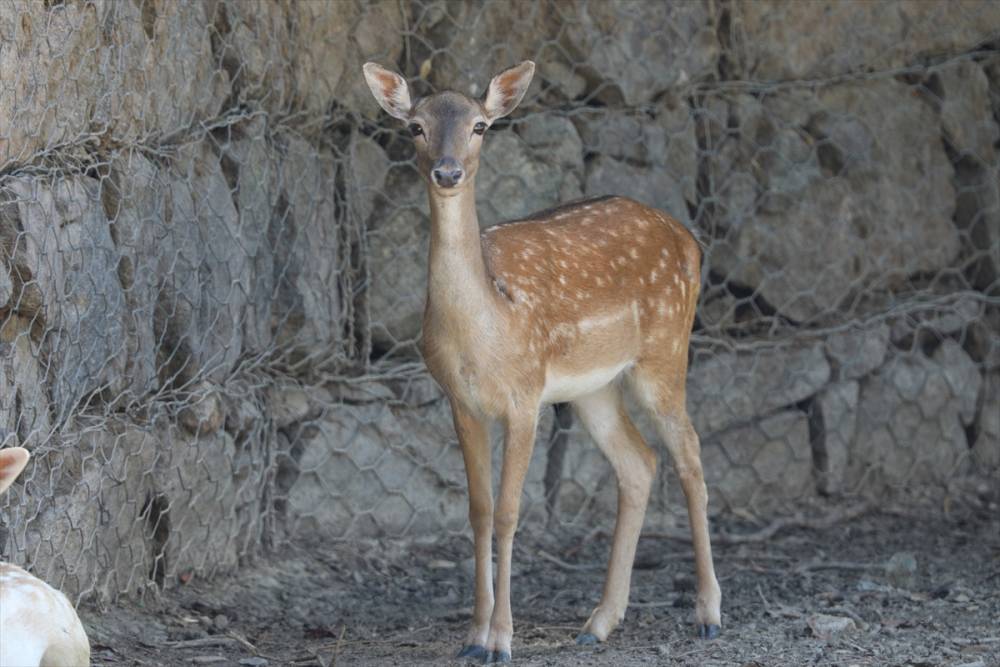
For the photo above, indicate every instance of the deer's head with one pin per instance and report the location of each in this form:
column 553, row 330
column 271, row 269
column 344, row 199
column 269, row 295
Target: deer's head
column 448, row 127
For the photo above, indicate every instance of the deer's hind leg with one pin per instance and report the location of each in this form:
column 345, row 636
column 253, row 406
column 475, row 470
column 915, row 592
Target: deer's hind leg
column 659, row 385
column 634, row 463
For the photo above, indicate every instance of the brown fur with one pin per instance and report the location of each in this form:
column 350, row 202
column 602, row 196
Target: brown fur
column 556, row 307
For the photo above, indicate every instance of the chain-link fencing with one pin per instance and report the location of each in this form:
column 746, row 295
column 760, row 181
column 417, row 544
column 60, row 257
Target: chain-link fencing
column 213, row 260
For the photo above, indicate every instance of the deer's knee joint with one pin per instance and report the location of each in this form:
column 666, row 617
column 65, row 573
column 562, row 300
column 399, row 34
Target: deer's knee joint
column 481, row 520
column 691, row 476
column 504, row 523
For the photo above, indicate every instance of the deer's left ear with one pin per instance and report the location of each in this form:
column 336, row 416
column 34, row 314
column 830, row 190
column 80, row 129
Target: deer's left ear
column 507, row 88
column 12, row 462
column 390, row 90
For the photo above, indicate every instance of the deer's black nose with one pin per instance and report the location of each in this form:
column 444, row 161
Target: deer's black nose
column 447, row 172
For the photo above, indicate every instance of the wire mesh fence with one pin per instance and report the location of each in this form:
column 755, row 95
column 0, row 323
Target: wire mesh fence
column 213, row 258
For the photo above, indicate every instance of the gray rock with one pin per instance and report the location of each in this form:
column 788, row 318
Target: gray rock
column 24, row 397
column 653, row 187
column 637, row 50
column 949, row 318
column 68, row 248
column 209, row 507
column 366, row 470
column 258, row 49
column 50, row 78
column 254, row 661
column 762, row 465
column 308, row 309
column 767, row 159
column 201, row 307
column 6, row 287
column 170, row 54
column 376, row 33
column 666, row 141
column 838, row 406
column 135, row 199
column 368, row 167
column 466, row 51
column 253, row 168
column 203, row 413
column 901, row 570
column 322, row 38
column 353, row 391
column 911, row 421
column 73, row 504
column 984, row 340
column 962, row 374
column 781, row 40
column 793, row 205
column 965, row 111
column 288, row 404
column 243, row 407
column 726, row 388
column 986, row 450
column 514, row 181
column 856, row 352
column 825, row 626
column 565, row 79
column 977, row 215
column 553, row 139
column 397, row 264
column 620, row 135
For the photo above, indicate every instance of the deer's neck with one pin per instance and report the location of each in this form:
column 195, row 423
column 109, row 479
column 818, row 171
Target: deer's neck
column 458, row 283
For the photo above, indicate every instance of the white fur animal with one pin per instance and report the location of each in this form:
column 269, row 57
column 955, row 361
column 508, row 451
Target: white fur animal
column 38, row 625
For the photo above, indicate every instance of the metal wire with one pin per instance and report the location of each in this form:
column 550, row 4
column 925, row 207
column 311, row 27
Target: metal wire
column 213, row 252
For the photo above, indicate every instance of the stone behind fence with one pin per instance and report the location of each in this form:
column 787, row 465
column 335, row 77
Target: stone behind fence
column 213, row 255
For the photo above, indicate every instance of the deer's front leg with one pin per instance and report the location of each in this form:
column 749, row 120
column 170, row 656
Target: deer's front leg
column 473, row 436
column 518, row 443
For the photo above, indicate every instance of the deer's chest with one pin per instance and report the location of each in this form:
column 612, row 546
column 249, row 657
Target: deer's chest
column 472, row 372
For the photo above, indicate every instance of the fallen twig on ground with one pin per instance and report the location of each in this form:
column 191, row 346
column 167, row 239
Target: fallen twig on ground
column 555, row 560
column 769, row 531
column 202, row 642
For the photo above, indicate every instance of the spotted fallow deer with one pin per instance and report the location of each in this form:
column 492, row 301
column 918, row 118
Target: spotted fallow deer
column 557, row 307
column 38, row 625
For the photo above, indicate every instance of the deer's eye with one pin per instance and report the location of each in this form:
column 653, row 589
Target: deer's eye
column 416, row 130
column 479, row 128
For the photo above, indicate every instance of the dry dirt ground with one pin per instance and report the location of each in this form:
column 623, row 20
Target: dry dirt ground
column 393, row 604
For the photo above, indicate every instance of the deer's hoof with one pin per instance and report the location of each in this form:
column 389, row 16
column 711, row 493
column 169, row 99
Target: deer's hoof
column 709, row 631
column 586, row 639
column 497, row 657
column 472, row 651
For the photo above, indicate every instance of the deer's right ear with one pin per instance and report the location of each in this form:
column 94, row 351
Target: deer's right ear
column 12, row 462
column 390, row 90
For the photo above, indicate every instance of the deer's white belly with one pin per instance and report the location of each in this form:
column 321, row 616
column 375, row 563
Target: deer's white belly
column 561, row 386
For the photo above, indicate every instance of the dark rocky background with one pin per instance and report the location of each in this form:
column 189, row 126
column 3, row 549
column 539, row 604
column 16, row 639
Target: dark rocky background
column 212, row 260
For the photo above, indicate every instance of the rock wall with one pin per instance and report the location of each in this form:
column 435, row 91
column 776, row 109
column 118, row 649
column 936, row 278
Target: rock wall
column 213, row 252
